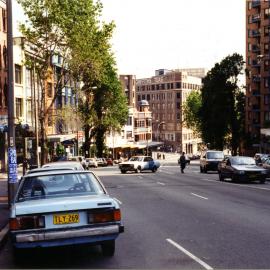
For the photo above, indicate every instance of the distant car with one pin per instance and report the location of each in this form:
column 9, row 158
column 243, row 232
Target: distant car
column 72, row 164
column 91, row 163
column 209, row 160
column 64, row 208
column 109, row 161
column 80, row 159
column 139, row 164
column 241, row 168
column 101, row 162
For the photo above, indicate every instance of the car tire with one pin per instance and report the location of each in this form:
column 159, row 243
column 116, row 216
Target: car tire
column 108, row 248
column 123, row 171
column 221, row 177
column 201, row 169
column 204, row 170
column 19, row 254
column 139, row 169
column 154, row 169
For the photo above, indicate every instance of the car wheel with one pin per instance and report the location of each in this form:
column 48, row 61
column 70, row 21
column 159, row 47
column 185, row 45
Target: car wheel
column 19, row 254
column 139, row 169
column 221, row 177
column 108, row 248
column 204, row 170
column 123, row 171
column 154, row 169
column 201, row 170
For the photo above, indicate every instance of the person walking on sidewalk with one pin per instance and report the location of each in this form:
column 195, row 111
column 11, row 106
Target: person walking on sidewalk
column 182, row 162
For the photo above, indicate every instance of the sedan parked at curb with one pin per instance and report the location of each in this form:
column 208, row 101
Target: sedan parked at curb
column 241, row 168
column 63, row 208
column 139, row 164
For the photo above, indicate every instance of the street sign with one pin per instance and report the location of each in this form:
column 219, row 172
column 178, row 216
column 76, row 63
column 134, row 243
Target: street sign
column 12, row 165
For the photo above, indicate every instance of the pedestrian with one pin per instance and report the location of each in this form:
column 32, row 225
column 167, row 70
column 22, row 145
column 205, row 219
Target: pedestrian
column 182, row 162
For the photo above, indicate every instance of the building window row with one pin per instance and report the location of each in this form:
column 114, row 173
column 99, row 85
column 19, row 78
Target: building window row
column 168, row 86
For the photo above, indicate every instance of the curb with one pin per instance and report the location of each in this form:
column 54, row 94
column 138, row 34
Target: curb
column 4, row 235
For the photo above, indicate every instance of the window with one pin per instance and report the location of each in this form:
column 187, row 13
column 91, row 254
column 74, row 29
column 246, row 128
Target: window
column 178, row 95
column 18, row 74
column 18, row 107
column 178, row 85
column 4, row 18
column 266, row 13
column 266, row 99
column 29, row 110
column 267, row 116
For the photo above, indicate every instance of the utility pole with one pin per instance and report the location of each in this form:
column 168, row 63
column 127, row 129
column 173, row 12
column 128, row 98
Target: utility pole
column 12, row 156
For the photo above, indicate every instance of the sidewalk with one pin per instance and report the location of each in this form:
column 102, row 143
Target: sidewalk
column 4, row 209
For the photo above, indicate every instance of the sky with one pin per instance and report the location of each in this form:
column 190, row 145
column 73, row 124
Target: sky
column 171, row 34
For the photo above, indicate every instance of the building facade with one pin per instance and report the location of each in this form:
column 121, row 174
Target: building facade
column 166, row 93
column 258, row 73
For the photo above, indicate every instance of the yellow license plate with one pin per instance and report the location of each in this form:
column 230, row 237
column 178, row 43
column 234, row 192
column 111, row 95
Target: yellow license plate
column 66, row 219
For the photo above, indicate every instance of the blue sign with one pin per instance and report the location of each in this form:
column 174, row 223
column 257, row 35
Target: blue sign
column 12, row 165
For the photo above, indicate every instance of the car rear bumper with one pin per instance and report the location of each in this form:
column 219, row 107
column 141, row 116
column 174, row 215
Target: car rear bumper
column 65, row 237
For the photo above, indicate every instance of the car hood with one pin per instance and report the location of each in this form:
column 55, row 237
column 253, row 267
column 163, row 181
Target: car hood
column 247, row 168
column 64, row 204
column 215, row 159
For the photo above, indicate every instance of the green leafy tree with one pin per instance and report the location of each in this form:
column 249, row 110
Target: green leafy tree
column 191, row 109
column 219, row 115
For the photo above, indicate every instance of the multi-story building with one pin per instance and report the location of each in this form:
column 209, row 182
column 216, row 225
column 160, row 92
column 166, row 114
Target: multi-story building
column 166, row 93
column 3, row 64
column 136, row 135
column 257, row 79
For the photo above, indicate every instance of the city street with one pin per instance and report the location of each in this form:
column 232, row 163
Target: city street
column 174, row 220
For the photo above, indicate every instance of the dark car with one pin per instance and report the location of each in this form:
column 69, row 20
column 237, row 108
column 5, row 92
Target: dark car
column 241, row 168
column 209, row 160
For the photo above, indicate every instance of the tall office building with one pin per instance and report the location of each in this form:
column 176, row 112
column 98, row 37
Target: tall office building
column 166, row 92
column 258, row 72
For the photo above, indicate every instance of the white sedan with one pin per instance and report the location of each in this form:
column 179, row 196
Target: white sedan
column 64, row 208
column 139, row 164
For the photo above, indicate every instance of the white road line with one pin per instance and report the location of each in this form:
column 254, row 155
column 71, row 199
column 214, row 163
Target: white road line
column 140, row 177
column 118, row 201
column 160, row 183
column 194, row 194
column 205, row 265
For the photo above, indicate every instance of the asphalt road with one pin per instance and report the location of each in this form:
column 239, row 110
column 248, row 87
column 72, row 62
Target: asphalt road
column 174, row 220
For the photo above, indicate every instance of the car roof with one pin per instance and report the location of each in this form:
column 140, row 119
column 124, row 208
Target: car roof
column 57, row 173
column 61, row 163
column 46, row 169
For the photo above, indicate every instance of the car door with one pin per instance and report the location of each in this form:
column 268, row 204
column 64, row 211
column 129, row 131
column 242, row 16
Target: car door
column 150, row 162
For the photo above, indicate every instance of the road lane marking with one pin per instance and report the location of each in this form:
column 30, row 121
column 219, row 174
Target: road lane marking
column 205, row 265
column 160, row 183
column 194, row 194
column 140, row 177
column 118, row 201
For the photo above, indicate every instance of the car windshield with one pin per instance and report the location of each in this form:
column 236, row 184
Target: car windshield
column 214, row 155
column 242, row 161
column 58, row 185
column 136, row 159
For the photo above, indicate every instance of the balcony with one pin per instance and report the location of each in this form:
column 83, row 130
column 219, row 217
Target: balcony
column 255, row 107
column 256, row 93
column 255, row 33
column 256, row 78
column 256, row 48
column 256, row 18
column 256, row 63
column 256, row 3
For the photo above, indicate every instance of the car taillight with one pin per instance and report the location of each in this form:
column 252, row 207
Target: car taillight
column 26, row 222
column 104, row 216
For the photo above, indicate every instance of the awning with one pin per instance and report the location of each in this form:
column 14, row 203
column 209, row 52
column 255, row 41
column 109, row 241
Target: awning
column 61, row 137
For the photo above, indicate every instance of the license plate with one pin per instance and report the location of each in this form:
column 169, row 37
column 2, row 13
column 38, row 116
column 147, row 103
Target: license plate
column 66, row 219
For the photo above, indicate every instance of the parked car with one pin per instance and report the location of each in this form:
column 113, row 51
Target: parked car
column 49, row 169
column 80, row 159
column 109, row 161
column 139, row 164
column 72, row 164
column 91, row 163
column 101, row 162
column 241, row 168
column 64, row 208
column 209, row 160
column 266, row 165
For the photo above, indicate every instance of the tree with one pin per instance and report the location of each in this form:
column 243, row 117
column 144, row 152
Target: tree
column 191, row 109
column 219, row 114
column 70, row 30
